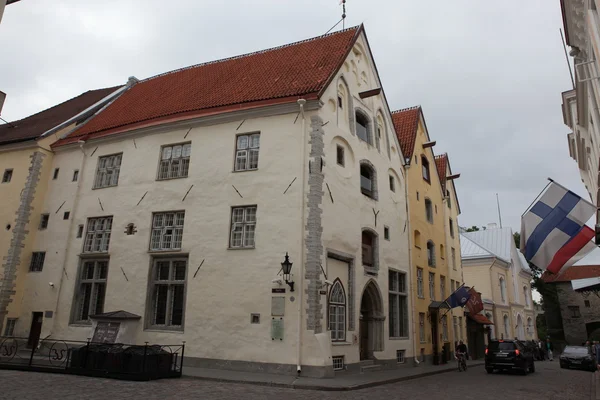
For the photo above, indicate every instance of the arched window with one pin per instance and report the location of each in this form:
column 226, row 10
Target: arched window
column 503, row 289
column 529, row 326
column 506, row 326
column 429, row 211
column 418, row 239
column 369, row 250
column 425, row 169
column 337, row 312
column 430, row 253
column 362, row 127
column 492, row 330
column 526, row 295
column 368, row 180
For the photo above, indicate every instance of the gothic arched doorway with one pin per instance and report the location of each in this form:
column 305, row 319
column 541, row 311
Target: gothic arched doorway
column 371, row 321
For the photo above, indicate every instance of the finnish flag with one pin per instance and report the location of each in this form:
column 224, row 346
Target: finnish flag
column 554, row 235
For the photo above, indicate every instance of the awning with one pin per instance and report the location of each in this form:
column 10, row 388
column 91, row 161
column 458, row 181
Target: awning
column 480, row 319
column 438, row 304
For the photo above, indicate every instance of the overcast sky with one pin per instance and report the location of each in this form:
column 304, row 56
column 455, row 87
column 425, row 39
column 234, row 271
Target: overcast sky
column 489, row 75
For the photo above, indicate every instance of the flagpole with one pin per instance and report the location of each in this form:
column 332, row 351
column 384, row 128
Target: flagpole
column 446, row 301
column 538, row 196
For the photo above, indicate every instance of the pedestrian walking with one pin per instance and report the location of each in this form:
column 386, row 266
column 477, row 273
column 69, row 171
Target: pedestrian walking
column 549, row 348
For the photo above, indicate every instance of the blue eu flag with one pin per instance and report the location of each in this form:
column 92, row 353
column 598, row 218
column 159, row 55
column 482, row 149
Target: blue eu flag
column 459, row 298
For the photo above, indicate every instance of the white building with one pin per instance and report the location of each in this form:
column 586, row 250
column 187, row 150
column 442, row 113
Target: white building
column 580, row 106
column 193, row 185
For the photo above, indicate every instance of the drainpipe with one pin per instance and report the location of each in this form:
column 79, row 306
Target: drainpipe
column 69, row 239
column 410, row 269
column 496, row 334
column 301, row 103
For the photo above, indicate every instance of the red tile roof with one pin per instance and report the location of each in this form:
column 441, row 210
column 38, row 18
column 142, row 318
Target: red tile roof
column 406, row 122
column 33, row 126
column 573, row 273
column 441, row 162
column 274, row 76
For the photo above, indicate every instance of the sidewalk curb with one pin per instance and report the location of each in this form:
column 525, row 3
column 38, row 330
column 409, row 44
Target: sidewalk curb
column 327, row 388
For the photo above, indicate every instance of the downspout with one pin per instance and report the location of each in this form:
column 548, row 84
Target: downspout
column 493, row 301
column 301, row 103
column 69, row 239
column 410, row 269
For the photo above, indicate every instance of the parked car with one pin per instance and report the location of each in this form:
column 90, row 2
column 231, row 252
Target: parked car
column 579, row 357
column 508, row 355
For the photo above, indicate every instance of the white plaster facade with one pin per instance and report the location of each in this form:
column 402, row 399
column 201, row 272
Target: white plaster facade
column 232, row 284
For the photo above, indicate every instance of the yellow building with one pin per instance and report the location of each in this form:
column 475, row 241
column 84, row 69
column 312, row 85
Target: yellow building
column 25, row 173
column 434, row 240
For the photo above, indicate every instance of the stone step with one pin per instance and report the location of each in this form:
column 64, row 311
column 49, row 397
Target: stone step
column 370, row 368
column 364, row 363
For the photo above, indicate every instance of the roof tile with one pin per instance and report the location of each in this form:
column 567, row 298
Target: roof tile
column 573, row 273
column 441, row 163
column 406, row 122
column 290, row 71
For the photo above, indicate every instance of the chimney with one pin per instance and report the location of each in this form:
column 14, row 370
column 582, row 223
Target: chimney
column 492, row 225
column 132, row 81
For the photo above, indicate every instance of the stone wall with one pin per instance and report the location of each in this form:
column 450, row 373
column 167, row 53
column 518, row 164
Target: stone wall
column 575, row 324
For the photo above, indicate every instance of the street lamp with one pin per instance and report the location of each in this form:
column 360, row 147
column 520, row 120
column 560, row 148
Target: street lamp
column 286, row 267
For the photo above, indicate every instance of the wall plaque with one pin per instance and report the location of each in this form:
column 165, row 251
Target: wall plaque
column 278, row 306
column 278, row 290
column 277, row 329
column 106, row 332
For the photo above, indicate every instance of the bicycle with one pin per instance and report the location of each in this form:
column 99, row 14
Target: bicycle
column 461, row 361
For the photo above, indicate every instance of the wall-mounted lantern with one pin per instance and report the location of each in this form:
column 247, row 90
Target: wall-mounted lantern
column 286, row 267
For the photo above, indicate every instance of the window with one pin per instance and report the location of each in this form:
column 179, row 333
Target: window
column 442, row 252
column 455, row 327
column 362, row 128
column 246, row 152
column 243, row 227
column 445, row 328
column 453, row 254
column 526, row 295
column 66, row 215
column 75, row 175
column 451, row 225
column 420, row 288
column 368, row 183
column 400, row 356
column 418, row 239
column 529, row 325
column 79, row 231
column 443, row 287
column 425, row 169
column 340, row 155
column 44, row 221
column 392, row 184
column 430, row 254
column 97, row 236
column 37, row 261
column 422, row 327
column 338, row 363
column 369, row 249
column 460, row 329
column 449, row 202
column 506, row 327
column 429, row 211
column 174, row 161
column 167, row 293
column 9, row 330
column 452, row 284
column 108, row 170
column 7, row 176
column 398, row 304
column 432, row 286
column 587, row 303
column 91, row 290
column 503, row 289
column 417, row 196
column 55, row 175
column 167, row 231
column 340, row 101
column 386, row 233
column 574, row 311
column 337, row 312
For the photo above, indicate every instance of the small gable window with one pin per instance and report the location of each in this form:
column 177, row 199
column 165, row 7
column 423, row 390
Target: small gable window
column 425, row 168
column 362, row 128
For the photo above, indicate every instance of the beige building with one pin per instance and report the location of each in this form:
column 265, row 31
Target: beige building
column 25, row 165
column 494, row 267
column 192, row 188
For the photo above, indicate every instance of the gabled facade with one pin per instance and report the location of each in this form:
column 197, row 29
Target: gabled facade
column 494, row 266
column 193, row 189
column 435, row 274
column 26, row 168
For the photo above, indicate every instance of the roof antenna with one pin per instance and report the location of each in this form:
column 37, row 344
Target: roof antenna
column 343, row 20
column 499, row 215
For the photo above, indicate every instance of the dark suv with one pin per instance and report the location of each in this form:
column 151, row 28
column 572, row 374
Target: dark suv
column 508, row 355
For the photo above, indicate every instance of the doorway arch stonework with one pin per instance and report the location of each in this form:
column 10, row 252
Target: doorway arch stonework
column 372, row 318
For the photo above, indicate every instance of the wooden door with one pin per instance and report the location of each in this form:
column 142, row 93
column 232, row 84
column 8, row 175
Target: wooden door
column 36, row 329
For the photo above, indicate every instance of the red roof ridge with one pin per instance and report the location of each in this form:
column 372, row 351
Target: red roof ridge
column 253, row 53
column 443, row 155
column 407, row 109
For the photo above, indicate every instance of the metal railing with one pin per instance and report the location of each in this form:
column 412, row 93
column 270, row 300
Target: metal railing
column 111, row 360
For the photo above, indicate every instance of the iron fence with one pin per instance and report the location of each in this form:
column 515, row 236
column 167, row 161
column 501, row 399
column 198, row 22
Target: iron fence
column 110, row 360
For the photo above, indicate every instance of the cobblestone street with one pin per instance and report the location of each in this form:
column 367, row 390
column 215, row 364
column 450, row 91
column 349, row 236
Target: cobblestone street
column 549, row 382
